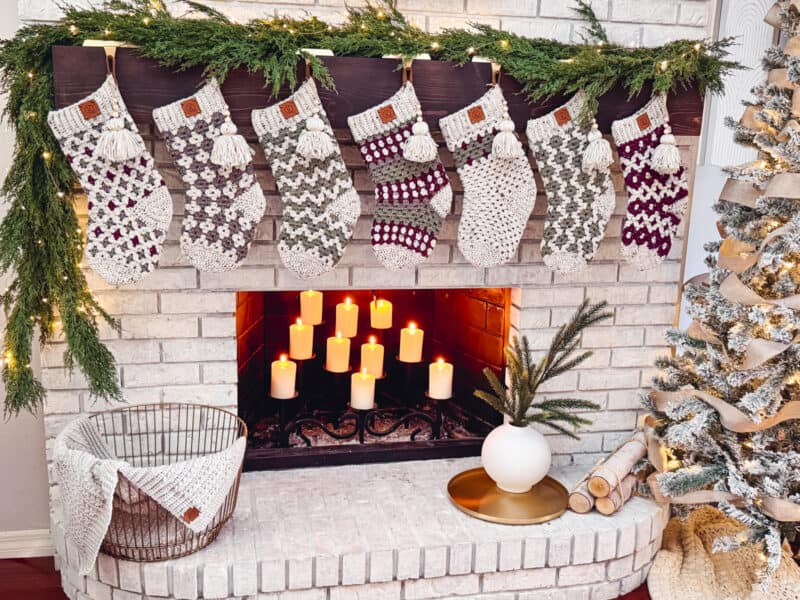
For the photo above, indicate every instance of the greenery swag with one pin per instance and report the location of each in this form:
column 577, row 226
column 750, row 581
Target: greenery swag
column 40, row 240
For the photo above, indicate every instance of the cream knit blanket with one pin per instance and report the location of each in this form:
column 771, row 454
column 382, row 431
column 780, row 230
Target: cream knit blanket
column 87, row 471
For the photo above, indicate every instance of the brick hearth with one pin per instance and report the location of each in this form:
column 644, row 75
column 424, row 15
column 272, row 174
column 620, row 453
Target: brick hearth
column 387, row 532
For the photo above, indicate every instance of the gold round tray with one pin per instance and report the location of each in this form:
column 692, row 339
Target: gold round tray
column 474, row 493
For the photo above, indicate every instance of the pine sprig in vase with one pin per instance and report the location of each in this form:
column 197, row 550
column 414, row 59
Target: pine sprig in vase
column 515, row 455
column 517, row 401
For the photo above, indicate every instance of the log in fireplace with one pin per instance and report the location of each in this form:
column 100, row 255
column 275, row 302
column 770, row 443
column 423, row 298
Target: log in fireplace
column 466, row 327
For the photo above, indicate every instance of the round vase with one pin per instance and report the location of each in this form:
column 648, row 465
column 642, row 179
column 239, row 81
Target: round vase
column 516, row 458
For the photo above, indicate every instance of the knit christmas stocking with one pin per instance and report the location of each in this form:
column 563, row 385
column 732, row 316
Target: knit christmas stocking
column 579, row 200
column 412, row 189
column 499, row 189
column 223, row 201
column 656, row 183
column 129, row 205
column 320, row 205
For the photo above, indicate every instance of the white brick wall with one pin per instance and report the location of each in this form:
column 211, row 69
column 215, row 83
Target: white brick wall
column 629, row 22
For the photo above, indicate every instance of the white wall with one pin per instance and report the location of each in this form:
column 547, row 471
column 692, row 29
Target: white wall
column 23, row 475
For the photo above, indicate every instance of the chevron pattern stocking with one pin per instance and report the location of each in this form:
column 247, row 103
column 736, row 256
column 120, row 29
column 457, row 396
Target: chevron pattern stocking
column 656, row 202
column 579, row 203
column 320, row 205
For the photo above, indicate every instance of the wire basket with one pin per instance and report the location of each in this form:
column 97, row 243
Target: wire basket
column 160, row 434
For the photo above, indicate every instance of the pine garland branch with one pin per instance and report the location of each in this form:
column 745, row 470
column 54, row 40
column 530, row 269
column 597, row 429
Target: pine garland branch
column 594, row 29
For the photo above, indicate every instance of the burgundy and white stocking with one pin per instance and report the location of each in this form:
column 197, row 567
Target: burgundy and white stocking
column 129, row 205
column 658, row 192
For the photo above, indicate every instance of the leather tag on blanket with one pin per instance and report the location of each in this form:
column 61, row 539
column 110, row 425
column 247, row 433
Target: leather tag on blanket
column 562, row 116
column 191, row 107
column 476, row 114
column 643, row 121
column 89, row 109
column 289, row 109
column 191, row 514
column 387, row 114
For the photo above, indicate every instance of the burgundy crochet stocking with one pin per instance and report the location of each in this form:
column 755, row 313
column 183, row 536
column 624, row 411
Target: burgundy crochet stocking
column 656, row 202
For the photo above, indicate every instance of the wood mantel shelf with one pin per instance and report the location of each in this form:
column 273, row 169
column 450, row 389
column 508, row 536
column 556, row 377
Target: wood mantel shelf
column 442, row 88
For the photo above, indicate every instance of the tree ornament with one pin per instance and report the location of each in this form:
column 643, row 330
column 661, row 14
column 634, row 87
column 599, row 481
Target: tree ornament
column 230, row 149
column 413, row 197
column 320, row 205
column 597, row 156
column 420, row 146
column 224, row 204
column 117, row 143
column 315, row 143
column 498, row 192
column 666, row 157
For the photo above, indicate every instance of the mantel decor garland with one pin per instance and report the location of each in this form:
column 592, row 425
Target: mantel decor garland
column 40, row 240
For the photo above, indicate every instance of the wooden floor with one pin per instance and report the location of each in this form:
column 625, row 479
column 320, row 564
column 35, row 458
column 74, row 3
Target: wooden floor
column 36, row 579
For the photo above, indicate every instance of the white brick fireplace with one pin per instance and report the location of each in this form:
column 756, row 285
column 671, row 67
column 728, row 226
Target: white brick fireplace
column 177, row 338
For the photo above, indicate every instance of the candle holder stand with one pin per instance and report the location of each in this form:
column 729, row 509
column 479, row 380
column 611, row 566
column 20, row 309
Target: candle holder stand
column 283, row 418
column 409, row 371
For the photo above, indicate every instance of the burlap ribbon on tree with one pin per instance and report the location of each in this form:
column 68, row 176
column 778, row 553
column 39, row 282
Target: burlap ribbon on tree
column 737, row 256
column 779, row 509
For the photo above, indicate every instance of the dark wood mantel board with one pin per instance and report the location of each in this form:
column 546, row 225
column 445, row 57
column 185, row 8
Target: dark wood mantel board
column 442, row 88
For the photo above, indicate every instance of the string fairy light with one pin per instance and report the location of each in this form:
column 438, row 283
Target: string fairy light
column 435, row 45
column 471, row 50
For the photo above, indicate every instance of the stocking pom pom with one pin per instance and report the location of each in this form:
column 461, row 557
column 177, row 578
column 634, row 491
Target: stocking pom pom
column 420, row 147
column 230, row 148
column 117, row 143
column 666, row 158
column 314, row 143
column 506, row 144
column 597, row 155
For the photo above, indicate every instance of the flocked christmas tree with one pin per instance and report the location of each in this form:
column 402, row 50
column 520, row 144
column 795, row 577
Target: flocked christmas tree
column 726, row 409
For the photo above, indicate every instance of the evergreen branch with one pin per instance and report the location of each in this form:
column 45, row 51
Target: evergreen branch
column 593, row 27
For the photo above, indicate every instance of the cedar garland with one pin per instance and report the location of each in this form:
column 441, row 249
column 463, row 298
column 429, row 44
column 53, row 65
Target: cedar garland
column 39, row 238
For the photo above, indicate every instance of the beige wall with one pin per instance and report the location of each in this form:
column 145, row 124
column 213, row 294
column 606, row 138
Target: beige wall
column 23, row 474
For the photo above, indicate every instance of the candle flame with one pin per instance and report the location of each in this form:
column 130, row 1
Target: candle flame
column 380, row 303
column 348, row 301
column 372, row 339
column 311, row 292
column 283, row 358
column 440, row 360
column 363, row 371
column 299, row 321
column 339, row 334
column 412, row 326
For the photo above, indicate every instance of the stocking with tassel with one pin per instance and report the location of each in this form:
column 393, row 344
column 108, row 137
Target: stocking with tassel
column 499, row 189
column 224, row 203
column 129, row 205
column 413, row 195
column 573, row 161
column 656, row 183
column 320, row 205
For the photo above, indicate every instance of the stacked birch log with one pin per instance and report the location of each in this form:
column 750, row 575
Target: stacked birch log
column 611, row 482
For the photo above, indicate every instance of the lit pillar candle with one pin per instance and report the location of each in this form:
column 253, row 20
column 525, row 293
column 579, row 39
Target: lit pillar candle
column 362, row 390
column 440, row 380
column 347, row 318
column 301, row 340
column 380, row 314
column 411, row 343
column 337, row 359
column 372, row 357
column 284, row 373
column 311, row 307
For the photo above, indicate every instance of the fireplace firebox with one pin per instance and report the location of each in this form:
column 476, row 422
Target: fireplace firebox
column 317, row 425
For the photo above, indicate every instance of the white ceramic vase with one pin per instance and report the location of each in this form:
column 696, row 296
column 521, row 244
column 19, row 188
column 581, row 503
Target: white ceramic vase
column 516, row 458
